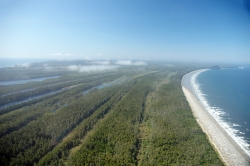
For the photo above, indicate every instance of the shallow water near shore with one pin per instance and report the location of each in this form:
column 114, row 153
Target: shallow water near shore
column 225, row 93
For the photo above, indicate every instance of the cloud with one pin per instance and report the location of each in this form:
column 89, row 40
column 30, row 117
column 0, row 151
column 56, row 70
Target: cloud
column 96, row 68
column 62, row 56
column 57, row 54
column 169, row 65
column 123, row 62
column 74, row 67
column 101, row 62
column 129, row 62
column 47, row 67
column 140, row 63
column 90, row 68
column 23, row 65
column 86, row 57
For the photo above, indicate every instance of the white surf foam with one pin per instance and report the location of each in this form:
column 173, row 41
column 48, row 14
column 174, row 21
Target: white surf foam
column 218, row 113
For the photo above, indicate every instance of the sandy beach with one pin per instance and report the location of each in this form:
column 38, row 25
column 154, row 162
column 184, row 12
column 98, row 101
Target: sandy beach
column 229, row 151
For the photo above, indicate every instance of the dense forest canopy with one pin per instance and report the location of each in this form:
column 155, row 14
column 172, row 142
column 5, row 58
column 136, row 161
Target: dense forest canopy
column 123, row 115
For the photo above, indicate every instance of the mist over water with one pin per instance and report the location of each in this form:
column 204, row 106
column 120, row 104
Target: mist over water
column 226, row 95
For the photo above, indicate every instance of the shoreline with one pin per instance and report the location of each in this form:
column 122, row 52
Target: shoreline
column 230, row 152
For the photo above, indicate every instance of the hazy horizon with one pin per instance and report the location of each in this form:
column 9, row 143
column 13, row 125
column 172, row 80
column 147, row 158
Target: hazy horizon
column 186, row 31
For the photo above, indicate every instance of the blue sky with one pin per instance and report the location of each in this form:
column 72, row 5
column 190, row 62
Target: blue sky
column 179, row 30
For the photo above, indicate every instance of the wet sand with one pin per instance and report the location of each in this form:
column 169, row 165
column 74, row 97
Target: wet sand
column 228, row 149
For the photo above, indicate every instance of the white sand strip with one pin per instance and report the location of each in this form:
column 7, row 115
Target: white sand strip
column 230, row 152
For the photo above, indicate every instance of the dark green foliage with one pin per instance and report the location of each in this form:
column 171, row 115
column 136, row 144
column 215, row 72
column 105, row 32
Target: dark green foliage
column 83, row 129
column 144, row 120
column 47, row 131
column 115, row 141
column 172, row 135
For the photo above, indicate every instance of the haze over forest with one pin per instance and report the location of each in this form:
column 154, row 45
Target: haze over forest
column 180, row 30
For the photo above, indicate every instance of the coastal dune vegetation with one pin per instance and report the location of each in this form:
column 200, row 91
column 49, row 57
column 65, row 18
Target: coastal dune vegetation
column 135, row 115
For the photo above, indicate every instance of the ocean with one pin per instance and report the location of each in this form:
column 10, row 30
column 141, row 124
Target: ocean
column 225, row 93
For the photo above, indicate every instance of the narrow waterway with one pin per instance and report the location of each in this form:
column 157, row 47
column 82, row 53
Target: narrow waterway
column 26, row 80
column 119, row 80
